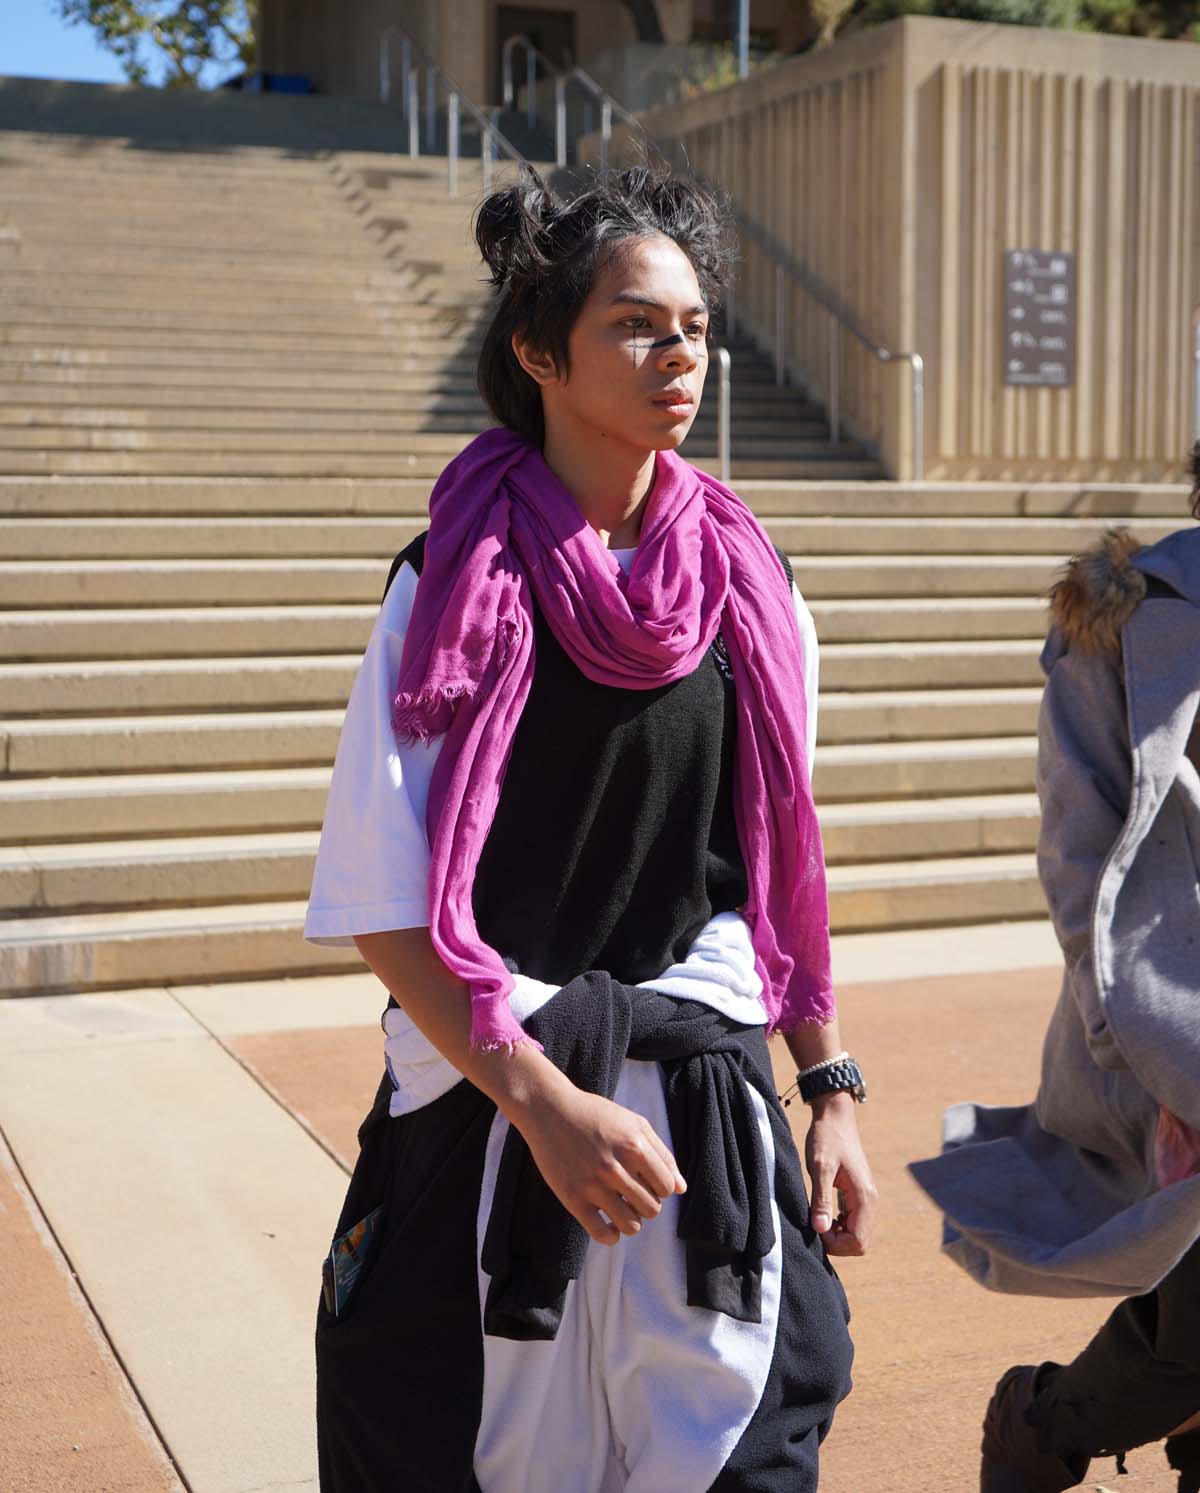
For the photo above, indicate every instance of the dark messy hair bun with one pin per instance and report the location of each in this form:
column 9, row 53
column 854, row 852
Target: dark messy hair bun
column 511, row 227
column 545, row 253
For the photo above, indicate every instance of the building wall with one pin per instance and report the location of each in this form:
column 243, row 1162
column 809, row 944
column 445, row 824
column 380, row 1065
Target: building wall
column 897, row 166
column 338, row 45
column 1087, row 145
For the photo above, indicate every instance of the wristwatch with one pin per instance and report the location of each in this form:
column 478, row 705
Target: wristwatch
column 835, row 1076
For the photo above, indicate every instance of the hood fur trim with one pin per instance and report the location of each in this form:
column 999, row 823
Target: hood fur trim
column 1098, row 593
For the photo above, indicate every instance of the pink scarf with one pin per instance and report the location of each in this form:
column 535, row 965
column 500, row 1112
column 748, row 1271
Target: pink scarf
column 505, row 533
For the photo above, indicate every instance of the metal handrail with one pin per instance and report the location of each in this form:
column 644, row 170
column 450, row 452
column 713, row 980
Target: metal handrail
column 609, row 106
column 724, row 380
column 457, row 102
column 787, row 266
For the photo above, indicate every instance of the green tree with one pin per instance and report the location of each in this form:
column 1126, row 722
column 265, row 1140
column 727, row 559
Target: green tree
column 1064, row 13
column 176, row 39
column 1164, row 19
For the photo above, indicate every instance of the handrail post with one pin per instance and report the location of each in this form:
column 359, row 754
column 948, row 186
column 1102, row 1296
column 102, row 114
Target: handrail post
column 452, row 144
column 1196, row 382
column 414, row 123
column 605, row 130
column 835, row 381
column 385, row 69
column 723, row 420
column 560, row 121
column 530, row 86
column 506, row 74
column 431, row 106
column 779, row 358
column 487, row 145
column 405, row 70
column 918, row 374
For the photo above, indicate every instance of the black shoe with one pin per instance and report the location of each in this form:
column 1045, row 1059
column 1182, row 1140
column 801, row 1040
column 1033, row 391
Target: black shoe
column 1012, row 1460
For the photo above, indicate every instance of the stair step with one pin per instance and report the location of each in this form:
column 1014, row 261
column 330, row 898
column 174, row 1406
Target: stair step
column 157, row 686
column 189, row 583
column 957, row 536
column 454, row 333
column 337, row 465
column 91, row 951
column 153, row 632
column 925, row 769
column 927, row 714
column 859, row 577
column 963, row 573
column 117, row 499
column 399, row 445
column 106, row 807
column 332, row 428
column 233, row 537
column 137, row 744
column 325, row 320
column 385, row 367
column 864, row 831
column 38, row 880
column 285, row 737
column 128, row 583
column 950, row 665
column 934, row 893
column 153, row 946
column 908, row 620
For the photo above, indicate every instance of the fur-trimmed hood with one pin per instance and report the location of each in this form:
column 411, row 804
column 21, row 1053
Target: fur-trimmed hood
column 1100, row 589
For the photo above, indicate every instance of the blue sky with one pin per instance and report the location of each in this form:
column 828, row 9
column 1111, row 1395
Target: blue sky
column 35, row 43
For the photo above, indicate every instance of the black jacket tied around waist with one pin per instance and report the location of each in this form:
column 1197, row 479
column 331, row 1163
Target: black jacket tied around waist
column 533, row 1248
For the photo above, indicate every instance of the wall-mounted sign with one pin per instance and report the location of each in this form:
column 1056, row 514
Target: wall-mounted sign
column 1039, row 318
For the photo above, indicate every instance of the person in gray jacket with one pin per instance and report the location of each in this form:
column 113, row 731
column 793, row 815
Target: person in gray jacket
column 1094, row 1188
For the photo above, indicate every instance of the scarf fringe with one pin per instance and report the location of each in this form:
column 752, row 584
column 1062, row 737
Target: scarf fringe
column 427, row 714
column 494, row 1028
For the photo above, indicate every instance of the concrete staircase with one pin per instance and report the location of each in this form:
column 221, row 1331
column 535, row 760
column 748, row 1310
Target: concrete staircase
column 229, row 376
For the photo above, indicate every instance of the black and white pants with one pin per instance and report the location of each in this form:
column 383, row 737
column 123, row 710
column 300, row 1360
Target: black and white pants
column 638, row 1391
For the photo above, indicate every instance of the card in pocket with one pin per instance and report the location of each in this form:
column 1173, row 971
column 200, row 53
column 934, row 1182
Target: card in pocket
column 346, row 1260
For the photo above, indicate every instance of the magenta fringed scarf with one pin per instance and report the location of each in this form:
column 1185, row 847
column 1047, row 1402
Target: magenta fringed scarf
column 504, row 533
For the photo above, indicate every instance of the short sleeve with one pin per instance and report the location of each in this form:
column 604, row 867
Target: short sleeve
column 372, row 868
column 808, row 644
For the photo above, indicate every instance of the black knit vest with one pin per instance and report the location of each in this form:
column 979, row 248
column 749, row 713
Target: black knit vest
column 614, row 840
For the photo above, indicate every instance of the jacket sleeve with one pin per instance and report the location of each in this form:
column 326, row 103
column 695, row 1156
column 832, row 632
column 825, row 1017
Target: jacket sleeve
column 1084, row 782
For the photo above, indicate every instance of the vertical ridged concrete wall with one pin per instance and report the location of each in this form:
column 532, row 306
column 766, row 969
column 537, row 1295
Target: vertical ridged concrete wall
column 901, row 163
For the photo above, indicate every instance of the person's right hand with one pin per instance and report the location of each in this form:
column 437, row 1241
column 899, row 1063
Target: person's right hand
column 602, row 1162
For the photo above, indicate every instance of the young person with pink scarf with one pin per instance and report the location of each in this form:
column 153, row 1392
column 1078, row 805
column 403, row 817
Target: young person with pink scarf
column 571, row 829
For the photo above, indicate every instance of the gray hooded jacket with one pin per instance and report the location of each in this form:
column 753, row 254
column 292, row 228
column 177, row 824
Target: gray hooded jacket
column 1060, row 1197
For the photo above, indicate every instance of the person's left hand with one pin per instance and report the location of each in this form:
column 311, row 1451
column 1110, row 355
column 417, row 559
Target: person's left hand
column 838, row 1166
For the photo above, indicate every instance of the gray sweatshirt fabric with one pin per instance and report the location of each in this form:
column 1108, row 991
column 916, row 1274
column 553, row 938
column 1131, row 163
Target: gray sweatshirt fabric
column 1059, row 1197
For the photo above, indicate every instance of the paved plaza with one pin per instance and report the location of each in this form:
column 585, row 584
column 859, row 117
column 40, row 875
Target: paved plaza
column 174, row 1159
